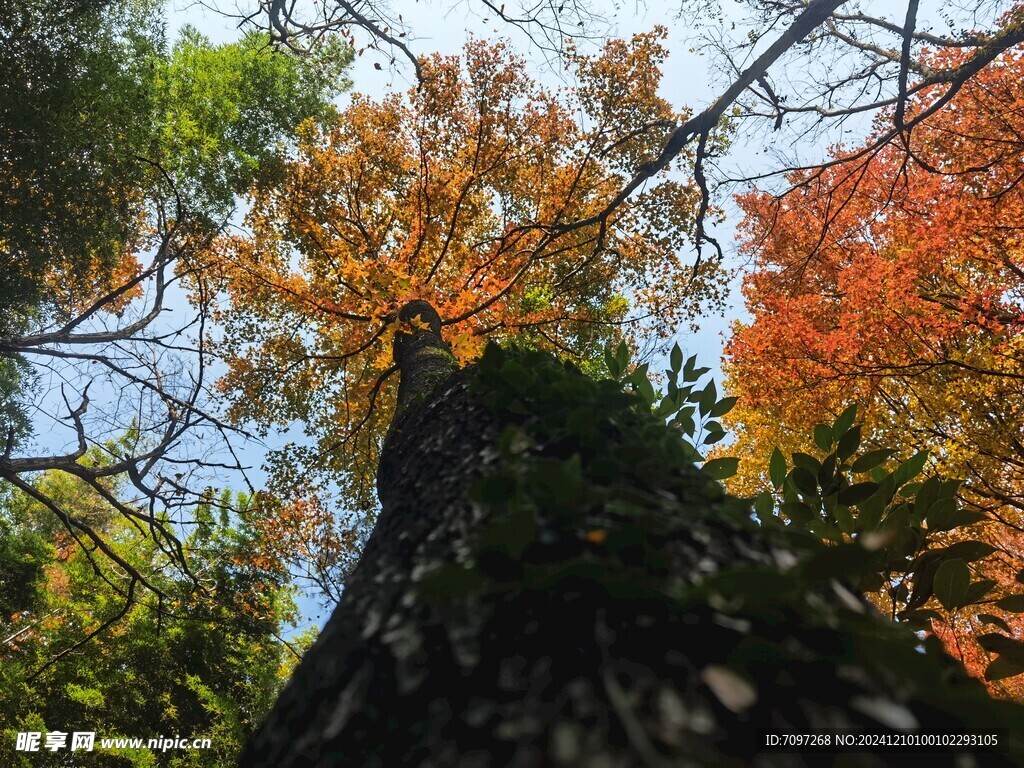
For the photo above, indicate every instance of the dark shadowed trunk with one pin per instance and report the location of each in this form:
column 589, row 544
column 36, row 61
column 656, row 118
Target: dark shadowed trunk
column 550, row 583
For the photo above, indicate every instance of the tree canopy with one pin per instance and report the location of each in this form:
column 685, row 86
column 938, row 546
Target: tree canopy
column 454, row 193
column 893, row 279
column 104, row 120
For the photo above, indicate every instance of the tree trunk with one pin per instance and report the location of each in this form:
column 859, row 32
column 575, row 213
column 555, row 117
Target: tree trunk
column 550, row 583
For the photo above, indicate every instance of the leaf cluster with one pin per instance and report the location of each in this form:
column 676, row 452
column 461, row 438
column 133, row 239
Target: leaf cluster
column 891, row 531
column 594, row 499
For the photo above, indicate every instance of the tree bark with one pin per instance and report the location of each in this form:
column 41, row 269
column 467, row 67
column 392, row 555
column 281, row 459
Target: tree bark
column 543, row 587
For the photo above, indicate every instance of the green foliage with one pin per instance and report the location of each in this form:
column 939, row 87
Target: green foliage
column 224, row 113
column 104, row 129
column 593, row 491
column 72, row 79
column 690, row 408
column 16, row 384
column 586, row 342
column 23, row 555
column 885, row 530
column 97, row 115
column 603, row 449
column 888, row 531
column 207, row 661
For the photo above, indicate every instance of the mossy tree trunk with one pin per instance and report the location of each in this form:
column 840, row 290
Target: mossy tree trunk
column 550, row 582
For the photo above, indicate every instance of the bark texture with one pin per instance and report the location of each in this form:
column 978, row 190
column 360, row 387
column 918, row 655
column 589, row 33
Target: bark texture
column 423, row 357
column 549, row 584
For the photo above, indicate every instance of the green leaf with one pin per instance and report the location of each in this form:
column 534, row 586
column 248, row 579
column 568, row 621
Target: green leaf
column 1010, row 650
column 612, row 364
column 804, row 481
column 842, row 515
column 713, row 437
column 645, row 389
column 921, row 618
column 927, row 495
column 848, row 443
column 871, row 459
column 896, row 520
column 723, row 406
column 845, row 420
column 681, row 395
column 1011, row 603
column 911, row 468
column 921, row 613
column 764, row 506
column 940, row 512
column 827, row 473
column 978, row 590
column 808, row 462
column 685, row 421
column 707, row 398
column 622, row 355
column 993, row 642
column 676, row 358
column 968, row 550
column 988, row 618
column 665, row 408
column 777, row 468
column 823, row 437
column 951, row 582
column 858, row 493
column 1002, row 668
column 910, row 490
column 924, row 580
column 798, row 512
column 722, row 468
column 949, row 488
column 945, row 515
column 690, row 453
column 691, row 361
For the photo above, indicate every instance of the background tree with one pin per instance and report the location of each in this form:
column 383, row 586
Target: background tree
column 121, row 158
column 454, row 194
column 99, row 113
column 78, row 656
column 894, row 279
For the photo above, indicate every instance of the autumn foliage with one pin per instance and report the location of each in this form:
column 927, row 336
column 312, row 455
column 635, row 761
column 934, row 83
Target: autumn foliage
column 462, row 192
column 894, row 278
